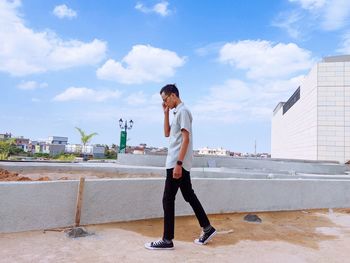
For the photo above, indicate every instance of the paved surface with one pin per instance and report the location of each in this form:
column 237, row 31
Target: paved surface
column 300, row 236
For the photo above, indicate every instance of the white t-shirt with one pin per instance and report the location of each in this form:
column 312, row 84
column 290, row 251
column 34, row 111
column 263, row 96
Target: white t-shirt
column 182, row 120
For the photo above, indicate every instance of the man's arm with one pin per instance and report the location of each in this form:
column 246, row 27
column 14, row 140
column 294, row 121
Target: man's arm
column 166, row 121
column 184, row 145
column 177, row 173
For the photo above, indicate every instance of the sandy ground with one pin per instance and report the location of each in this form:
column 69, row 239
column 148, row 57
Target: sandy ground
column 299, row 236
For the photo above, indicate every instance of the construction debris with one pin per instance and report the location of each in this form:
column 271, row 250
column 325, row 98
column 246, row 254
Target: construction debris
column 252, row 218
column 77, row 232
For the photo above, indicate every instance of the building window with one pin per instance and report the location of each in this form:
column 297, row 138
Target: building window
column 292, row 100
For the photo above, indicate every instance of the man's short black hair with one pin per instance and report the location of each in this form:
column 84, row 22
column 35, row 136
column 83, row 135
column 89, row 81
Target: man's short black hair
column 170, row 88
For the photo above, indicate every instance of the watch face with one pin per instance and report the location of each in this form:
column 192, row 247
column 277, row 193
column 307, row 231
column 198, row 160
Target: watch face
column 179, row 163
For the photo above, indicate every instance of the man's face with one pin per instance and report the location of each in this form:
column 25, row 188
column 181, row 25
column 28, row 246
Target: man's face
column 168, row 100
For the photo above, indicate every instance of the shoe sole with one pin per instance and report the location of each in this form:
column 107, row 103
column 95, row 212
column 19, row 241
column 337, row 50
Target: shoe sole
column 209, row 238
column 155, row 248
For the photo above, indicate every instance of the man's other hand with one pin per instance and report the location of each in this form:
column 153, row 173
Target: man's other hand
column 177, row 172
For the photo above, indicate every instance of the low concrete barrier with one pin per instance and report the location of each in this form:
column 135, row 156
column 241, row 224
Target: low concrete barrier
column 302, row 166
column 42, row 205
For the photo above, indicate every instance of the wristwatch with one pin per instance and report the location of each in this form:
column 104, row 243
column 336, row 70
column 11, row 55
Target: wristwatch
column 179, row 162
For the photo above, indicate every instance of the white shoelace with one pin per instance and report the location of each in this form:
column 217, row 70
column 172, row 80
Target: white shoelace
column 159, row 242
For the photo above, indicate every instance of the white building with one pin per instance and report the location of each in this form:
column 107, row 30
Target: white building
column 94, row 150
column 218, row 151
column 314, row 123
column 57, row 140
column 22, row 143
column 54, row 149
column 55, row 145
column 37, row 146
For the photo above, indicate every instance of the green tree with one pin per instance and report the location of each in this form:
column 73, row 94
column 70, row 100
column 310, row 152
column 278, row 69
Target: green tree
column 6, row 147
column 85, row 138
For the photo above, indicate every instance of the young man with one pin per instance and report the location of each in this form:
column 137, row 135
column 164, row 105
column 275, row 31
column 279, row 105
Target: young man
column 178, row 166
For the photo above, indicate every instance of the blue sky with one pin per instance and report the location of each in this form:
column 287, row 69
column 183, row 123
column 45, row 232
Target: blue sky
column 90, row 63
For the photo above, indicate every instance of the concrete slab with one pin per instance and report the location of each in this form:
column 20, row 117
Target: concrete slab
column 41, row 205
column 303, row 166
column 289, row 237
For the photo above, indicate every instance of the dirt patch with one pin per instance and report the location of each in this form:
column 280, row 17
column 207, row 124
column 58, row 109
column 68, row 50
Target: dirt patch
column 296, row 227
column 10, row 176
column 57, row 173
column 47, row 174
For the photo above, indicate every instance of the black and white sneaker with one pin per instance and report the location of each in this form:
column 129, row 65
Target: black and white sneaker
column 160, row 244
column 205, row 237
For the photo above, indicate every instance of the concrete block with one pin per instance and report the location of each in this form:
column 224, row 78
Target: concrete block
column 36, row 205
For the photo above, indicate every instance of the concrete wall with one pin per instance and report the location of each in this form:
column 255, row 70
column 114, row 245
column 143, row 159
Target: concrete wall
column 141, row 160
column 42, row 205
column 317, row 127
column 334, row 111
column 294, row 134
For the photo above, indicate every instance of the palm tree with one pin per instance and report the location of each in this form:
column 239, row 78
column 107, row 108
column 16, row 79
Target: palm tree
column 85, row 138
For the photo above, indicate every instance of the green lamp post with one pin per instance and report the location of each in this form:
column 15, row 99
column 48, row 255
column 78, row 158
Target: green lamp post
column 125, row 126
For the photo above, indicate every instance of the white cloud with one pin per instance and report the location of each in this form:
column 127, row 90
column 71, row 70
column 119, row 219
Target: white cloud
column 310, row 4
column 156, row 99
column 264, row 59
column 140, row 98
column 24, row 51
column 273, row 74
column 86, row 94
column 241, row 101
column 345, row 45
column 336, row 14
column 63, row 11
column 212, row 48
column 330, row 14
column 222, row 101
column 290, row 23
column 141, row 112
column 143, row 63
column 137, row 98
column 160, row 8
column 31, row 85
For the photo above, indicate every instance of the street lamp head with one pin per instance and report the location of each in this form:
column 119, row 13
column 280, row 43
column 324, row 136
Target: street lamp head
column 121, row 122
column 131, row 123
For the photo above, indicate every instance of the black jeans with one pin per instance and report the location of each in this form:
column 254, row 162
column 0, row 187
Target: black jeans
column 170, row 190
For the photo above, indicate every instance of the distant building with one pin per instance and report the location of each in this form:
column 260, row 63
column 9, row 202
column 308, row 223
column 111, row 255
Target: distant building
column 139, row 150
column 22, row 143
column 57, row 140
column 314, row 123
column 156, row 151
column 74, row 148
column 55, row 145
column 217, row 152
column 36, row 146
column 54, row 149
column 5, row 136
column 97, row 151
column 236, row 154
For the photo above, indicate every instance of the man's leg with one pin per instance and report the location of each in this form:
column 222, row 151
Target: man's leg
column 170, row 190
column 191, row 198
column 187, row 191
